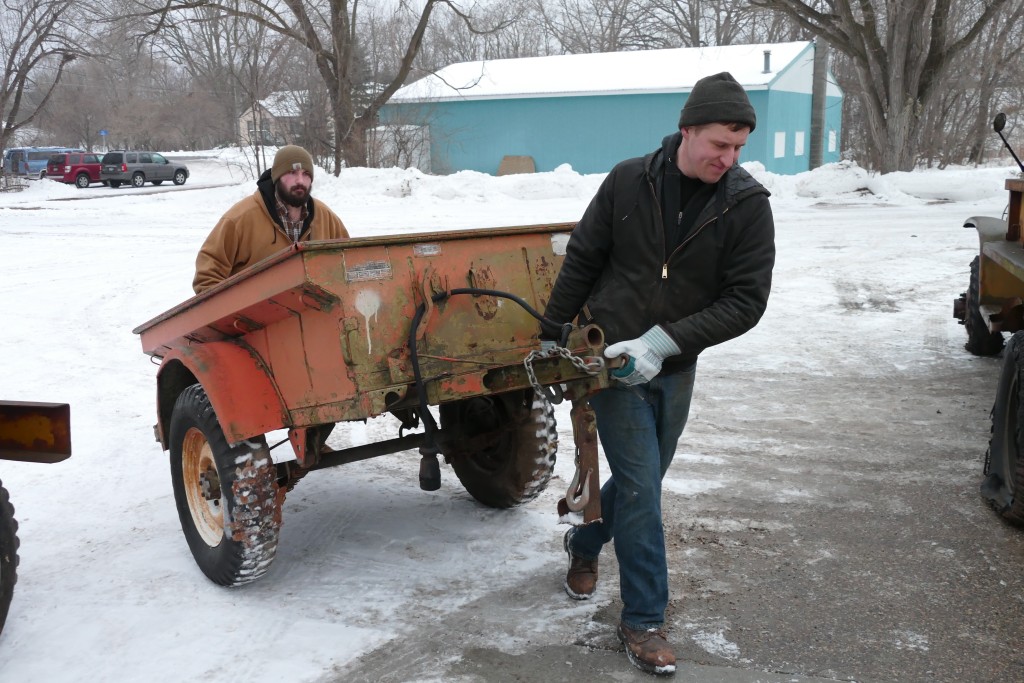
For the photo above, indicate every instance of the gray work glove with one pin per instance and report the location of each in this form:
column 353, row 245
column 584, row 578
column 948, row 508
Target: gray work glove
column 645, row 355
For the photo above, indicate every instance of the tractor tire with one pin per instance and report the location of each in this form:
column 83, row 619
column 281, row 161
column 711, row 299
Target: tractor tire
column 8, row 554
column 227, row 496
column 502, row 447
column 980, row 341
column 1003, row 485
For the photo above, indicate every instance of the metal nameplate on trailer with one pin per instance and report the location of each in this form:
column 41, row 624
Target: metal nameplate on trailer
column 432, row 249
column 371, row 270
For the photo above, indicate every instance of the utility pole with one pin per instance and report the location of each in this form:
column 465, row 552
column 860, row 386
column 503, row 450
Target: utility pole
column 819, row 86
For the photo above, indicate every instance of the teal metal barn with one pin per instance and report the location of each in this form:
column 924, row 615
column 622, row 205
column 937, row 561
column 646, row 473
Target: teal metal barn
column 593, row 110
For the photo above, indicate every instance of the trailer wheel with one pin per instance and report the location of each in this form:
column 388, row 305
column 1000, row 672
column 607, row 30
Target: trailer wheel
column 501, row 447
column 8, row 554
column 226, row 495
column 980, row 341
column 1003, row 485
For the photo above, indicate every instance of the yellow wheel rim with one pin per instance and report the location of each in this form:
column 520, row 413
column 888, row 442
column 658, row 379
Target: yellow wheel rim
column 197, row 461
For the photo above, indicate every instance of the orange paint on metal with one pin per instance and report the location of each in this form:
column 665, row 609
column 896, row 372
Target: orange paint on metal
column 241, row 392
column 320, row 333
column 35, row 432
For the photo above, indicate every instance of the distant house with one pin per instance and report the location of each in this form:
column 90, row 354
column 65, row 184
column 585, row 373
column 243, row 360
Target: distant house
column 593, row 110
column 274, row 120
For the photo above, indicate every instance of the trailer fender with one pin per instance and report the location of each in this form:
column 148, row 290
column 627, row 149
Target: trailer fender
column 989, row 229
column 238, row 384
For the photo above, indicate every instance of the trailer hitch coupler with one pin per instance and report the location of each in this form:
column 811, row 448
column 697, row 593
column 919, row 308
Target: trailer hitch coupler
column 430, row 469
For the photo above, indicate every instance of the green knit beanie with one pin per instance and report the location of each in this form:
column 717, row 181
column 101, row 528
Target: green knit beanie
column 289, row 158
column 717, row 99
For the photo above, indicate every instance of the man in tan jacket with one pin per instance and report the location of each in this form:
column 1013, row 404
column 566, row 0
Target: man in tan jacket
column 279, row 213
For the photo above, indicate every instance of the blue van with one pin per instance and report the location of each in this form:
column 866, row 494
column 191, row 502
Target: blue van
column 31, row 161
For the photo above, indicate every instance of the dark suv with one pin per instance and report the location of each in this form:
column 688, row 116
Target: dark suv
column 138, row 168
column 80, row 168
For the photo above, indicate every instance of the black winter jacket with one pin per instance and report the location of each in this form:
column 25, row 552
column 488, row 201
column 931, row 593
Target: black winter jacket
column 714, row 286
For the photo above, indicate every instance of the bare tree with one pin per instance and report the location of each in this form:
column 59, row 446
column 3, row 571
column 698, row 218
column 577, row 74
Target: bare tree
column 586, row 26
column 74, row 114
column 138, row 92
column 769, row 26
column 998, row 64
column 214, row 50
column 35, row 35
column 900, row 52
column 693, row 23
column 331, row 31
column 517, row 32
column 521, row 36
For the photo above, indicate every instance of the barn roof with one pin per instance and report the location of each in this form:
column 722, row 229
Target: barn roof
column 642, row 71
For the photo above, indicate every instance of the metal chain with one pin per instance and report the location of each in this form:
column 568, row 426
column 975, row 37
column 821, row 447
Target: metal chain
column 592, row 366
column 553, row 394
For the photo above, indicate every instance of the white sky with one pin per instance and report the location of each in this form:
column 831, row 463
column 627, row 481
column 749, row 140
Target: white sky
column 108, row 590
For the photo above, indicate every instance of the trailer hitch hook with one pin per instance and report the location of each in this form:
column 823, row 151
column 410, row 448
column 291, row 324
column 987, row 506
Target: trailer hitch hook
column 576, row 498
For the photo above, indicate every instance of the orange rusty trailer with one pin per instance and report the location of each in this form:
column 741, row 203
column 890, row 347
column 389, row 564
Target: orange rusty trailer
column 337, row 331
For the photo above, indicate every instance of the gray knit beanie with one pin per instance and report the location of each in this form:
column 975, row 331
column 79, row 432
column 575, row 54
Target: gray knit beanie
column 288, row 158
column 717, row 99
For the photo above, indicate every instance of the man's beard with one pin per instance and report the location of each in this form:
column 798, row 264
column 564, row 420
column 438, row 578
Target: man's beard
column 290, row 198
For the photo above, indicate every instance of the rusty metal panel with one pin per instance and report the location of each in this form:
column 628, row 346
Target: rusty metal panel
column 35, row 432
column 286, row 358
column 328, row 376
column 240, row 389
column 380, row 286
column 331, row 321
column 260, row 294
column 1002, row 271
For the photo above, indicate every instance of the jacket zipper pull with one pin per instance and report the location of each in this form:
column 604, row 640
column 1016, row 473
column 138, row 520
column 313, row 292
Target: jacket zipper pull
column 664, row 272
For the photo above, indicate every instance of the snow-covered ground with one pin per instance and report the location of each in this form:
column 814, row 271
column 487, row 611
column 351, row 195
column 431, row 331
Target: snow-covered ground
column 108, row 590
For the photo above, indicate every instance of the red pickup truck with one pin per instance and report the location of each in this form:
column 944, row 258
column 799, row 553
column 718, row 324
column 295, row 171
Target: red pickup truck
column 80, row 168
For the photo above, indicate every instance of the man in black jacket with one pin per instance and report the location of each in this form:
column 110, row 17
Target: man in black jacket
column 673, row 255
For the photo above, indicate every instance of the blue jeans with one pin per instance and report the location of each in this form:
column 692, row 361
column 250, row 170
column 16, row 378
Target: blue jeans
column 639, row 428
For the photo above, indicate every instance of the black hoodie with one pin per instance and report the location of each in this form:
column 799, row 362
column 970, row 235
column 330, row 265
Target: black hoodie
column 268, row 191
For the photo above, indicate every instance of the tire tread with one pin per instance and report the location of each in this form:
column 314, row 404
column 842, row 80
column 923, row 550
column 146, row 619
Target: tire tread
column 252, row 506
column 9, row 545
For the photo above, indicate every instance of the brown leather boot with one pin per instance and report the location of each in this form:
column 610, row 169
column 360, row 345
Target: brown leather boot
column 581, row 579
column 649, row 650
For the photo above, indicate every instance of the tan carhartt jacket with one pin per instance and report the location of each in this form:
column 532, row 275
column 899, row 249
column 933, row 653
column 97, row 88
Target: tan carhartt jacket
column 250, row 231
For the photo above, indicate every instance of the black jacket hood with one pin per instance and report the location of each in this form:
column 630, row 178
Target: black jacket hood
column 265, row 185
